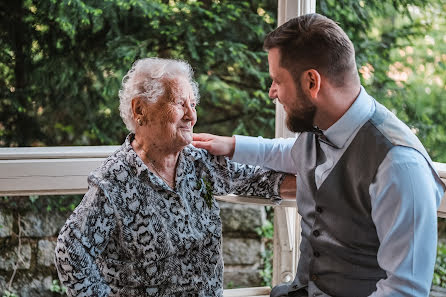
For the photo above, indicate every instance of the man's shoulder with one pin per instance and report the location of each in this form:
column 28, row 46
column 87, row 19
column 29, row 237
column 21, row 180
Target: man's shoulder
column 395, row 130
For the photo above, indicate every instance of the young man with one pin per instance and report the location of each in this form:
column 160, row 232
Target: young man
column 366, row 188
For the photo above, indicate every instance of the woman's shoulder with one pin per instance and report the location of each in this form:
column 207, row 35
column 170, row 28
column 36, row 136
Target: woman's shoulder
column 201, row 155
column 116, row 162
column 191, row 152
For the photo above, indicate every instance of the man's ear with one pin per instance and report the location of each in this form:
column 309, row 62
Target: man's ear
column 311, row 83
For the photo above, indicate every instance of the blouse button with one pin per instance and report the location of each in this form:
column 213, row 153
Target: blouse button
column 316, row 233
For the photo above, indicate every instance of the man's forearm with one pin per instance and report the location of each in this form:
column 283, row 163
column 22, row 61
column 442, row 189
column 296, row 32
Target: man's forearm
column 288, row 187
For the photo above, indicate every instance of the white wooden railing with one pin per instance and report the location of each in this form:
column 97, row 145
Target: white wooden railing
column 64, row 170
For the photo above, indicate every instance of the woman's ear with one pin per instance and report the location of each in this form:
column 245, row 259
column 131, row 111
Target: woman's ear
column 311, row 83
column 138, row 110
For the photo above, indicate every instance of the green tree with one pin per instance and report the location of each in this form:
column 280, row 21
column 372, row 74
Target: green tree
column 62, row 62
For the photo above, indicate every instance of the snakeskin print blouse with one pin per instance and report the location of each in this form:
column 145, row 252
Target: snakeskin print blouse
column 132, row 235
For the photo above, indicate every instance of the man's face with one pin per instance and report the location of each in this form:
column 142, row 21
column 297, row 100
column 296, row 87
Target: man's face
column 300, row 111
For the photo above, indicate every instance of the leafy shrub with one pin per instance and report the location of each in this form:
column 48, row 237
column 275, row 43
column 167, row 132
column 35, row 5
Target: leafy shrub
column 440, row 266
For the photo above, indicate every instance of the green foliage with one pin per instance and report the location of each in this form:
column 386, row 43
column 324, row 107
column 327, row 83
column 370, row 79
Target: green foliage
column 208, row 196
column 62, row 63
column 267, row 234
column 56, row 287
column 230, row 285
column 6, row 293
column 440, row 266
column 20, row 204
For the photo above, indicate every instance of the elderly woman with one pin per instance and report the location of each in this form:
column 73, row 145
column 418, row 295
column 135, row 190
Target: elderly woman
column 149, row 224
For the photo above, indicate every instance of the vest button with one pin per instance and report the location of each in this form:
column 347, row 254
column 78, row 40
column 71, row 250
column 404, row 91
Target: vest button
column 314, row 277
column 316, row 254
column 319, row 209
column 316, row 233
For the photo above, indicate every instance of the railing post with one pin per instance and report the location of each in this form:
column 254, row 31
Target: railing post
column 286, row 220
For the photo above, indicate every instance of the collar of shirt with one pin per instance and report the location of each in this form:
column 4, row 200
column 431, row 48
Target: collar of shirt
column 360, row 111
column 142, row 171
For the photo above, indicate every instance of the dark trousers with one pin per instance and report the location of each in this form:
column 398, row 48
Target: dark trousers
column 285, row 290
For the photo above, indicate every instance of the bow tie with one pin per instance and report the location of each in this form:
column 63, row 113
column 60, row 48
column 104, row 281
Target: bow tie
column 321, row 137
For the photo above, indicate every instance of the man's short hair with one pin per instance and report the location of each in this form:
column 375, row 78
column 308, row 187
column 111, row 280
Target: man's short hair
column 313, row 41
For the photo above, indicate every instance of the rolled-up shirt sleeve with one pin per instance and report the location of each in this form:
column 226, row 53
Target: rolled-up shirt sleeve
column 272, row 154
column 405, row 197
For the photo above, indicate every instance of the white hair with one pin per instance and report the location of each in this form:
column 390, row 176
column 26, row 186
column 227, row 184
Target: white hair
column 145, row 79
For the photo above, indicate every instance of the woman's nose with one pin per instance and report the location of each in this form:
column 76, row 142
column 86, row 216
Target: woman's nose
column 189, row 112
column 272, row 92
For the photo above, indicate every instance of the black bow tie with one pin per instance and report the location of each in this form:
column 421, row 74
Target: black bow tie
column 321, row 137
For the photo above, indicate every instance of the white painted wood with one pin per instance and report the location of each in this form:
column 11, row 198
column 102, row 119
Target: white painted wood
column 306, row 7
column 442, row 209
column 255, row 201
column 57, row 152
column 45, row 176
column 441, row 169
column 247, row 292
column 49, row 170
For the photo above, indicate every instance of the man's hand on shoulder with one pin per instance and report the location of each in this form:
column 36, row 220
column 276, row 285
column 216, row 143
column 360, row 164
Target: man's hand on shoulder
column 216, row 145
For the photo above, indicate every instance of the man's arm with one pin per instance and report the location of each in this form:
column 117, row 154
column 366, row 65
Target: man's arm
column 405, row 197
column 288, row 188
column 275, row 154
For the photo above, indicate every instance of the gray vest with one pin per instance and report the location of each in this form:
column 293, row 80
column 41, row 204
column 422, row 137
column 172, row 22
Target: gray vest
column 339, row 251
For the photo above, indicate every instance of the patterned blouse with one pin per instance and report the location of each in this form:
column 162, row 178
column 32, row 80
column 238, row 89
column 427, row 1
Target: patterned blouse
column 132, row 235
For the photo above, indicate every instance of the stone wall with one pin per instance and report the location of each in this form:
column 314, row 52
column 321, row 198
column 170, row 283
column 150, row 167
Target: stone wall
column 33, row 251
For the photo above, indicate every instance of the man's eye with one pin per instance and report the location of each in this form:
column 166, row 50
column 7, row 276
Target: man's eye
column 193, row 105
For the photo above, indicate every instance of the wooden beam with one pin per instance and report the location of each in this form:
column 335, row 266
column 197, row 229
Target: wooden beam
column 247, row 292
column 255, row 200
column 49, row 170
column 64, row 170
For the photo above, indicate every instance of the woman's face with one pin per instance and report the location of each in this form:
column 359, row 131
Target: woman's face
column 172, row 118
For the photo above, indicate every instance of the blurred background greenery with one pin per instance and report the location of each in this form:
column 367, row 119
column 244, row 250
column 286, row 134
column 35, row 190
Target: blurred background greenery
column 62, row 61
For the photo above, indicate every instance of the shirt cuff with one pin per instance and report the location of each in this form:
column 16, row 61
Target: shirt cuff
column 276, row 180
column 246, row 149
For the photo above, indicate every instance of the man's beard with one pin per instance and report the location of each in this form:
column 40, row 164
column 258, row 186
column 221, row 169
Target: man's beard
column 301, row 120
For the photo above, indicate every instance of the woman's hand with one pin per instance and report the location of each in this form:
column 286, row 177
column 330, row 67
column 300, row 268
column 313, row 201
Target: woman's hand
column 288, row 187
column 216, row 145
